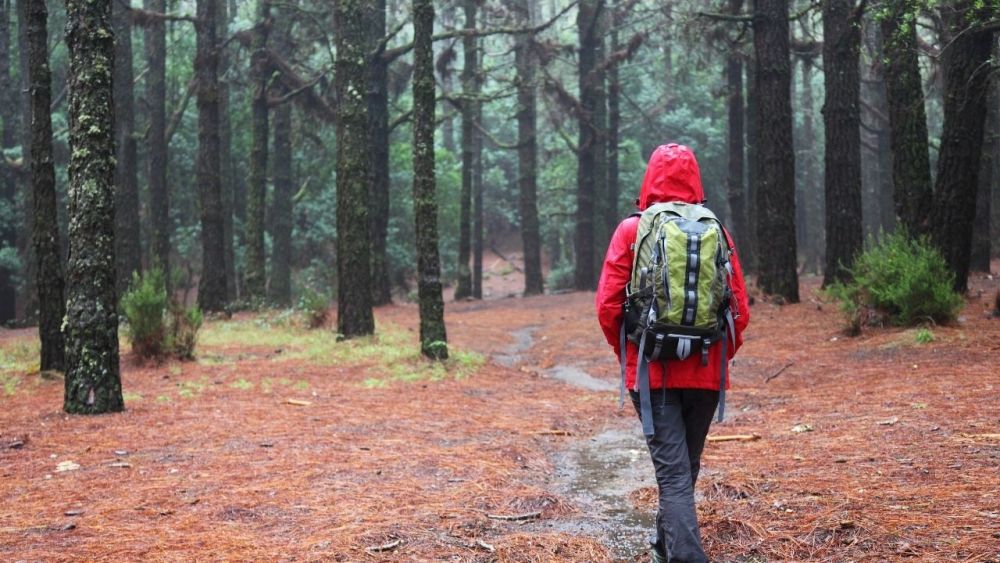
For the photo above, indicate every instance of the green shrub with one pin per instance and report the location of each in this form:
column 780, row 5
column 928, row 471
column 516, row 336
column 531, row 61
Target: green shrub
column 143, row 306
column 560, row 277
column 155, row 327
column 182, row 336
column 314, row 307
column 924, row 336
column 901, row 281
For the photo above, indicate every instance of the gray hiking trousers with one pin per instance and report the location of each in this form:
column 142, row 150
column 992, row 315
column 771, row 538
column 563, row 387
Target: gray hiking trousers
column 681, row 418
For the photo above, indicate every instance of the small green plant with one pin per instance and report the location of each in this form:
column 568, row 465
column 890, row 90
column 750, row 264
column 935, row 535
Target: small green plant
column 182, row 335
column 314, row 307
column 242, row 384
column 924, row 336
column 143, row 306
column 560, row 277
column 900, row 281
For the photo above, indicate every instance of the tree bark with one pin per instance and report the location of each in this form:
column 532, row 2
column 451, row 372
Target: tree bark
column 226, row 155
column 612, row 132
column 735, row 139
column 29, row 262
column 354, row 295
column 433, row 338
column 842, row 125
column 749, row 245
column 8, row 178
column 378, row 149
column 280, row 218
column 981, row 243
column 256, row 269
column 478, row 217
column 525, row 64
column 52, row 307
column 911, row 169
column 470, row 150
column 156, row 151
column 127, row 239
column 92, row 379
column 775, row 195
column 966, row 69
column 587, row 21
column 208, row 166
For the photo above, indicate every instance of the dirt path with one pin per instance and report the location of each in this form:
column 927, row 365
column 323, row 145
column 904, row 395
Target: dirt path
column 901, row 460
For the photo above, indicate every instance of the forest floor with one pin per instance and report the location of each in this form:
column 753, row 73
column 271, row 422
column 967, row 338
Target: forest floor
column 278, row 443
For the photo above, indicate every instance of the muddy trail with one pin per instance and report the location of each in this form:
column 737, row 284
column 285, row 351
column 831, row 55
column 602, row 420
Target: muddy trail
column 280, row 444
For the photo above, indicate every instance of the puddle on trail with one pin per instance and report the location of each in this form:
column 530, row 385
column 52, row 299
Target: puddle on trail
column 576, row 376
column 523, row 341
column 597, row 474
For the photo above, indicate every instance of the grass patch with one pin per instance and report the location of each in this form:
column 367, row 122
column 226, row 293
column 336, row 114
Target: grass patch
column 924, row 336
column 242, row 384
column 9, row 382
column 131, row 396
column 191, row 389
column 20, row 357
column 391, row 355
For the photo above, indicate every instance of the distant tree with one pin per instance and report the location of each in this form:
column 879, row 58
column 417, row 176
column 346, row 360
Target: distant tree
column 525, row 62
column 965, row 61
column 433, row 339
column 128, row 248
column 471, row 148
column 52, row 307
column 8, row 176
column 228, row 175
column 613, row 128
column 156, row 138
column 842, row 126
column 982, row 245
column 212, row 284
column 92, row 380
column 378, row 137
column 28, row 302
column 587, row 181
column 256, row 269
column 736, row 138
column 911, row 169
column 810, row 207
column 775, row 169
column 280, row 217
column 354, row 294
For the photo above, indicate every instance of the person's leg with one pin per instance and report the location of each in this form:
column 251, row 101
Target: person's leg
column 698, row 410
column 676, row 521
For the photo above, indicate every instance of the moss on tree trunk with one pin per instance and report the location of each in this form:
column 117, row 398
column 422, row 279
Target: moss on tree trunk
column 354, row 295
column 433, row 339
column 92, row 379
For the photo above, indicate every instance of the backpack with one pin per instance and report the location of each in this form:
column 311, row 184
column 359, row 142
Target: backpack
column 678, row 298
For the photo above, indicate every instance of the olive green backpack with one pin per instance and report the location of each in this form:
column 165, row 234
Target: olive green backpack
column 678, row 297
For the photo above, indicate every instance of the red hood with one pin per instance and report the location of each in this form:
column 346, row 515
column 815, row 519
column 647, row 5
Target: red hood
column 672, row 175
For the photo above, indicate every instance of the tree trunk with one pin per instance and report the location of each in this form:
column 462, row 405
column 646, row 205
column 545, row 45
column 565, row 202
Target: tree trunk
column 280, row 218
column 226, row 155
column 52, row 307
column 981, row 243
column 378, row 149
column 775, row 151
column 8, row 178
column 29, row 262
column 612, row 132
column 911, row 169
column 354, row 295
column 749, row 245
column 811, row 211
column 92, row 381
column 966, row 69
column 433, row 339
column 527, row 150
column 256, row 269
column 588, row 15
column 478, row 224
column 127, row 239
column 212, row 284
column 156, row 152
column 842, row 124
column 738, row 223
column 470, row 150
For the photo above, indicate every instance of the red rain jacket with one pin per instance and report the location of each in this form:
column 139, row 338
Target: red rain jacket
column 672, row 175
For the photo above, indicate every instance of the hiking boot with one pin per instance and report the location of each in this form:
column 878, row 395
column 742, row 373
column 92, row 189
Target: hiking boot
column 658, row 555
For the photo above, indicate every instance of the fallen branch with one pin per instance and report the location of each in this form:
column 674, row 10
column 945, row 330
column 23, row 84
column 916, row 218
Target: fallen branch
column 297, row 402
column 516, row 517
column 384, row 547
column 553, row 432
column 779, row 372
column 735, row 438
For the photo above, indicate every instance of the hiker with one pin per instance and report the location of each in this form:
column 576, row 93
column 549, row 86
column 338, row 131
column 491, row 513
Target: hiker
column 679, row 385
